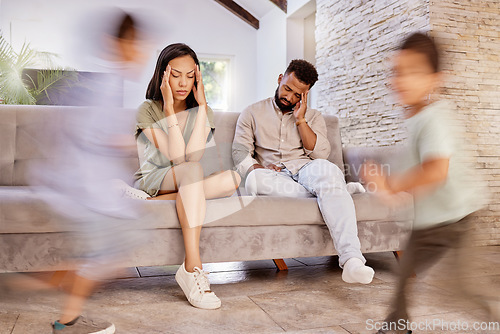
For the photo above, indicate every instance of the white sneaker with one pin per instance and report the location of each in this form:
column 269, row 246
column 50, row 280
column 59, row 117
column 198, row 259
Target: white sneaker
column 356, row 272
column 128, row 191
column 84, row 325
column 196, row 287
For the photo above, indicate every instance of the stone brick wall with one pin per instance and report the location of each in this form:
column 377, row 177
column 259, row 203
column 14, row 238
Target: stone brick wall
column 469, row 35
column 354, row 41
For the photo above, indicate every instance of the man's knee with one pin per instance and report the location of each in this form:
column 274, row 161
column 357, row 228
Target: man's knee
column 324, row 176
column 257, row 181
column 327, row 168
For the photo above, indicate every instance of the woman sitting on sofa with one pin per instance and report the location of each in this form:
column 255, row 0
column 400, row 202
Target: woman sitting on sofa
column 173, row 126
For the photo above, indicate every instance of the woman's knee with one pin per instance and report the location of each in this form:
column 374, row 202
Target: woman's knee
column 230, row 181
column 189, row 171
column 234, row 178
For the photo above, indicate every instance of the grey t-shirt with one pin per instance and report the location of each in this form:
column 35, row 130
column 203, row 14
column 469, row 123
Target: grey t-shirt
column 433, row 134
column 153, row 164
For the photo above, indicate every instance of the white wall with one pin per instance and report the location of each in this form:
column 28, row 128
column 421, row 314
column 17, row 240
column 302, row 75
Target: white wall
column 296, row 5
column 280, row 39
column 271, row 52
column 301, row 42
column 59, row 26
column 294, row 39
column 310, row 53
column 310, row 38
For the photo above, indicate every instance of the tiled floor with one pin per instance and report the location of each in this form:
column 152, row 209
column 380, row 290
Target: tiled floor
column 308, row 298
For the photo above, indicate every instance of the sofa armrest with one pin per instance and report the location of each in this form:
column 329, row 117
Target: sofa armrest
column 354, row 157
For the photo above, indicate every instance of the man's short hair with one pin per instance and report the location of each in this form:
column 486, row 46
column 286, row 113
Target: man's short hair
column 304, row 71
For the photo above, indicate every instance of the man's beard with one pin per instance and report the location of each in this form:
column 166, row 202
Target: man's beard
column 279, row 103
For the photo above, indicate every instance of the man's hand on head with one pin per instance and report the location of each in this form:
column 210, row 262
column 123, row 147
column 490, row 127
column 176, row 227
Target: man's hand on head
column 300, row 109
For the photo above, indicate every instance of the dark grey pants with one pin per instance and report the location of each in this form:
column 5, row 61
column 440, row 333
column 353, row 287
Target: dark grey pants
column 426, row 247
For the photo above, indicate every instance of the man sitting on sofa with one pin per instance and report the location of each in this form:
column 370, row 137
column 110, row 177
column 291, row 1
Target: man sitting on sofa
column 281, row 146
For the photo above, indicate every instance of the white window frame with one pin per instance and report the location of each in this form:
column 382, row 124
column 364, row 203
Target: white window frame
column 230, row 89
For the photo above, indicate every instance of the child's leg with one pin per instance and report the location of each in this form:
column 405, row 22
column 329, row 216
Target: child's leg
column 466, row 258
column 80, row 291
column 71, row 320
column 424, row 249
column 398, row 308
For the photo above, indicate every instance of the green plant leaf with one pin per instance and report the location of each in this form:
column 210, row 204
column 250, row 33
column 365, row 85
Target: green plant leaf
column 53, row 81
column 15, row 90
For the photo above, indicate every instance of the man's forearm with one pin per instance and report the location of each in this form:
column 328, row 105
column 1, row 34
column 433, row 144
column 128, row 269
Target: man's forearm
column 307, row 135
column 242, row 159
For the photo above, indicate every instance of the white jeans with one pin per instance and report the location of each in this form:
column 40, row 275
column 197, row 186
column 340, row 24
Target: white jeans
column 321, row 179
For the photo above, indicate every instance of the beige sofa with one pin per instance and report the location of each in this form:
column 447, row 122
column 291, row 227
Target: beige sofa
column 238, row 228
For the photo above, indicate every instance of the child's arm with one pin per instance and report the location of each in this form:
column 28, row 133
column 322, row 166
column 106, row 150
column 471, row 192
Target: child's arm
column 433, row 143
column 430, row 172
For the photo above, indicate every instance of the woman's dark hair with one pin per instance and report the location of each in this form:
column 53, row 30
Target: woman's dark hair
column 421, row 43
column 126, row 28
column 166, row 55
column 304, row 71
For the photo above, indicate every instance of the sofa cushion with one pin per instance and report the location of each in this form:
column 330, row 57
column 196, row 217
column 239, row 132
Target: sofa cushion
column 333, row 134
column 23, row 211
column 27, row 136
column 7, row 145
column 354, row 157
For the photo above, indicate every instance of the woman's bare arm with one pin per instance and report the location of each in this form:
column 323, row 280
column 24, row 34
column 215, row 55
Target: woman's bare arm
column 171, row 145
column 196, row 145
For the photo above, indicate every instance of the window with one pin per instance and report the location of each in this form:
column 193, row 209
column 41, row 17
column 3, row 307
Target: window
column 216, row 71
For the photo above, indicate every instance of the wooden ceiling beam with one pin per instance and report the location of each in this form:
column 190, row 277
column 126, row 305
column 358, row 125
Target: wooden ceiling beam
column 282, row 4
column 241, row 12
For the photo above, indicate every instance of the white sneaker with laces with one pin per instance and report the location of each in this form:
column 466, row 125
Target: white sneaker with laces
column 196, row 287
column 128, row 191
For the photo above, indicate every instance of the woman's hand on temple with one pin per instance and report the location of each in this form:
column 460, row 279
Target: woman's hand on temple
column 199, row 89
column 166, row 92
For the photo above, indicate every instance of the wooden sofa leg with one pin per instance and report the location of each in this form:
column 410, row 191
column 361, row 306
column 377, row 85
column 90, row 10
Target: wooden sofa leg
column 280, row 264
column 398, row 255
